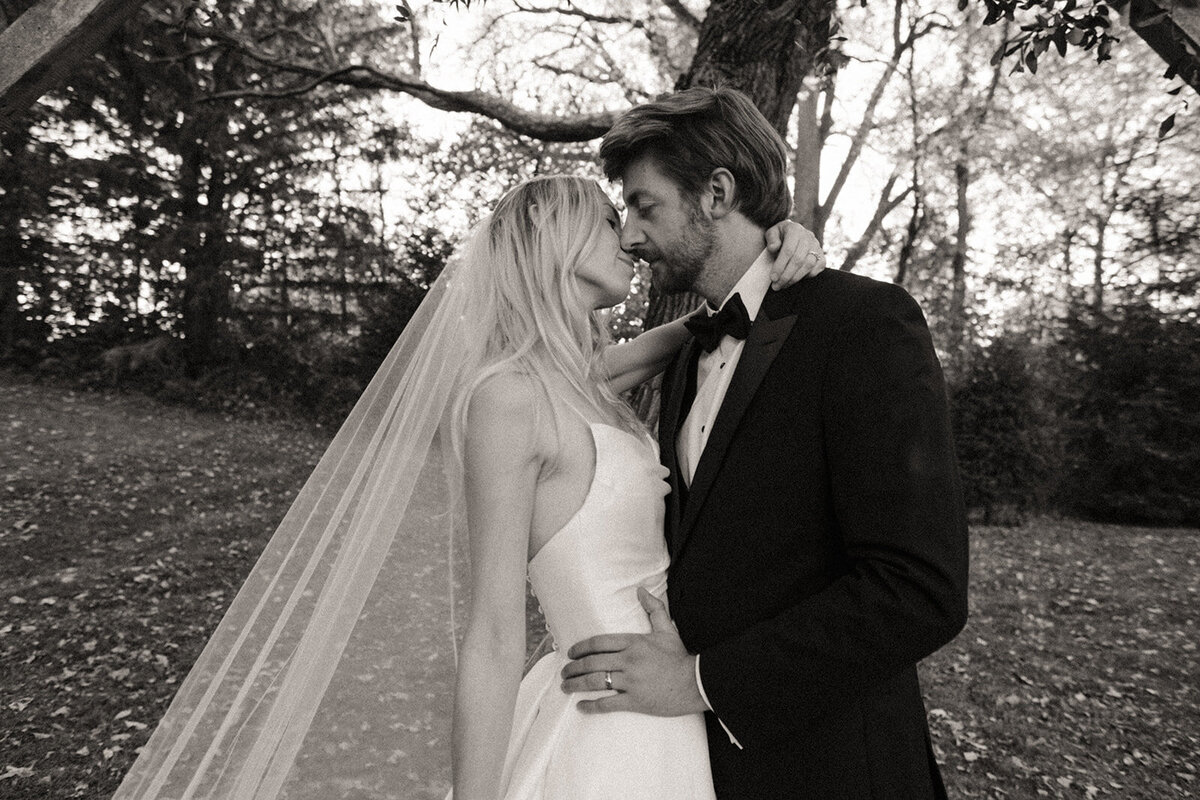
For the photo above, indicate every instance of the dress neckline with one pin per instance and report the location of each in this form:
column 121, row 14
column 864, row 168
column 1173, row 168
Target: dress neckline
column 589, row 496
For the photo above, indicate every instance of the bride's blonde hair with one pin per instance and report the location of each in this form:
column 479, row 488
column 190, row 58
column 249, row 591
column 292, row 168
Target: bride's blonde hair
column 525, row 256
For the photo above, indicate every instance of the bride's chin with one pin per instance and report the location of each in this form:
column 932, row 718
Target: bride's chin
column 609, row 301
column 621, row 299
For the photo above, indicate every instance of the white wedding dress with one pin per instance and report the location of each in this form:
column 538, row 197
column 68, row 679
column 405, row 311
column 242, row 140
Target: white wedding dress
column 586, row 579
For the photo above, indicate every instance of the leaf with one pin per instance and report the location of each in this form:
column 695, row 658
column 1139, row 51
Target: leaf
column 1060, row 41
column 1165, row 127
column 1031, row 61
column 16, row 772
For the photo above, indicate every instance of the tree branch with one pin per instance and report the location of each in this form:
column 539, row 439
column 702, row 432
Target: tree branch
column 546, row 127
column 868, row 121
column 572, row 11
column 683, row 14
column 886, row 205
column 657, row 45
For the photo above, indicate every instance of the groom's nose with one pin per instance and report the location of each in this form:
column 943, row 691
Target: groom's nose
column 631, row 236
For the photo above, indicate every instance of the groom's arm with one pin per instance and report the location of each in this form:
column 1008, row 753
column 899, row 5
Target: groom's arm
column 898, row 505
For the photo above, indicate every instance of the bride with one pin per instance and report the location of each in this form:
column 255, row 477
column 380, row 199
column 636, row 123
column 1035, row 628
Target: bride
column 490, row 447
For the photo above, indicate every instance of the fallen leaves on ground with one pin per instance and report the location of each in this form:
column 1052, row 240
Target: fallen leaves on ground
column 128, row 527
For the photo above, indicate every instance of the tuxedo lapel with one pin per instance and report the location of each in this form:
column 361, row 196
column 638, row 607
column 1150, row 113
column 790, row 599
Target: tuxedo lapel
column 766, row 338
column 674, row 396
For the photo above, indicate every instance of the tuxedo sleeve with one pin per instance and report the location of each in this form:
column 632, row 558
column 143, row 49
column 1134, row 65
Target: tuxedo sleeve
column 896, row 498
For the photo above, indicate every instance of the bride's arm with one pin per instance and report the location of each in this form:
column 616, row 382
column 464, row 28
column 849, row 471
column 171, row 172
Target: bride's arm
column 797, row 255
column 502, row 462
column 639, row 359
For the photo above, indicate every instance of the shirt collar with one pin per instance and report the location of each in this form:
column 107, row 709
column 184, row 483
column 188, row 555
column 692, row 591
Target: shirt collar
column 752, row 286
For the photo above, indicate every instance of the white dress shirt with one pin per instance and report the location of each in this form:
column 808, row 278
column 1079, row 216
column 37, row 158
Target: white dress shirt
column 714, row 371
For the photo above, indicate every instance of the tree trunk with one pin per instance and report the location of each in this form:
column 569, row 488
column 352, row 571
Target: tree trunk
column 10, row 310
column 762, row 49
column 1064, row 294
column 958, row 276
column 807, row 160
column 205, row 287
column 916, row 222
column 12, row 255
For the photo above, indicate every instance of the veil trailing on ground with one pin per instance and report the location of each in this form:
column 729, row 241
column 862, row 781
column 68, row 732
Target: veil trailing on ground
column 331, row 674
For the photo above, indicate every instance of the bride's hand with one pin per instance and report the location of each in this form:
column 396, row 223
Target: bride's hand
column 797, row 253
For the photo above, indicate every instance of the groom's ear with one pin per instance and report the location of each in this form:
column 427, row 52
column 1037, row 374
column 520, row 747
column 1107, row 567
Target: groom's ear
column 722, row 189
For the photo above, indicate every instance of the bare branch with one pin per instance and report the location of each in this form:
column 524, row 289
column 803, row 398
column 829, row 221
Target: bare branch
column 658, row 46
column 181, row 56
column 683, row 14
column 633, row 93
column 572, row 72
column 572, row 11
column 858, row 141
column 547, row 127
column 886, row 205
column 828, row 89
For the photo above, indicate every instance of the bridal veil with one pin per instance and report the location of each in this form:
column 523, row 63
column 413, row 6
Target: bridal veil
column 331, row 674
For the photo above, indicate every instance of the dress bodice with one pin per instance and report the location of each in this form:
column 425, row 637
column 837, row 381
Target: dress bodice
column 586, row 578
column 587, row 575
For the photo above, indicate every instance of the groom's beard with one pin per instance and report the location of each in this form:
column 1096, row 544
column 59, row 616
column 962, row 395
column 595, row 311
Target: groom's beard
column 680, row 261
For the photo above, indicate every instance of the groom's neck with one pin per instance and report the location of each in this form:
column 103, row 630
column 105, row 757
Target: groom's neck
column 738, row 244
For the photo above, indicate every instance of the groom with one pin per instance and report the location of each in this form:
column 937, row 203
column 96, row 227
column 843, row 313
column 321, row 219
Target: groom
column 815, row 523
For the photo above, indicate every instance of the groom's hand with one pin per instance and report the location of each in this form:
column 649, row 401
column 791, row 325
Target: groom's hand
column 652, row 673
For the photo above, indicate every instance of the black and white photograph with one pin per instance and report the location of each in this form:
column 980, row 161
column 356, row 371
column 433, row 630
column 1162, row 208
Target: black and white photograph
column 599, row 399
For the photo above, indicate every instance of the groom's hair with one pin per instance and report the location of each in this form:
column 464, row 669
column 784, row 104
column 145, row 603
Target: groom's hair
column 691, row 133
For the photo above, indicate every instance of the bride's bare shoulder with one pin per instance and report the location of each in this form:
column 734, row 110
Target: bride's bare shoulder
column 506, row 392
column 507, row 409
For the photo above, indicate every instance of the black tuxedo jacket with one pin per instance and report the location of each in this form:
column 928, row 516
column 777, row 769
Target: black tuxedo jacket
column 821, row 550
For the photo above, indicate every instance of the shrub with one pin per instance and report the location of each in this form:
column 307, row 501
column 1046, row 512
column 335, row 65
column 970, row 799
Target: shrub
column 1130, row 402
column 1004, row 436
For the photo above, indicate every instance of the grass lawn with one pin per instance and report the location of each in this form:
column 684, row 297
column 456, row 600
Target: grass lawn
column 126, row 528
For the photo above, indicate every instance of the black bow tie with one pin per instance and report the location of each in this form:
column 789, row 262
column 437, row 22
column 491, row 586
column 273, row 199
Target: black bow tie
column 731, row 320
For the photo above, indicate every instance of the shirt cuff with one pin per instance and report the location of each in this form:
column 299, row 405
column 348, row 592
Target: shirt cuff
column 700, row 685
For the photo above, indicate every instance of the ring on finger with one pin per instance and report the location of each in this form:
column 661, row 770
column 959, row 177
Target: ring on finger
column 608, row 680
